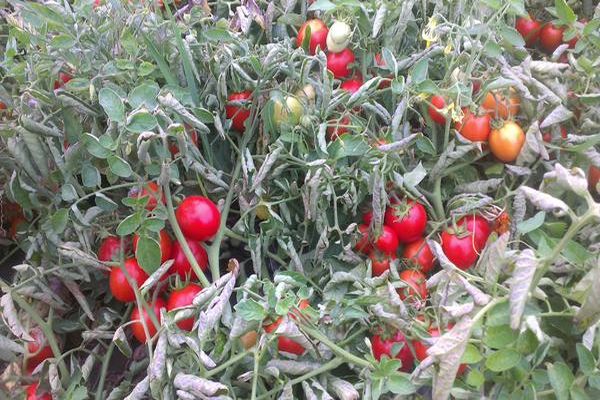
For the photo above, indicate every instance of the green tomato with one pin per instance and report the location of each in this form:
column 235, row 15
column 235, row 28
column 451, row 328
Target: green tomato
column 290, row 112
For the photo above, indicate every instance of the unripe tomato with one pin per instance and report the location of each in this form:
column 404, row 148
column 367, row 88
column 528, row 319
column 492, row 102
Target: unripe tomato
column 339, row 36
column 32, row 393
column 181, row 265
column 37, row 351
column 462, row 248
column 290, row 112
column 385, row 346
column 551, row 37
column 498, row 105
column 166, row 245
column 421, row 348
column 352, row 85
column 182, row 298
column 593, row 178
column 437, row 103
column 337, row 128
column 506, row 142
column 63, row 78
column 152, row 191
column 110, row 248
column 529, row 28
column 308, row 92
column 119, row 286
column 238, row 114
column 198, row 217
column 137, row 325
column 473, row 127
column 419, row 253
column 339, row 63
column 417, row 285
column 380, row 262
column 318, row 35
column 408, row 219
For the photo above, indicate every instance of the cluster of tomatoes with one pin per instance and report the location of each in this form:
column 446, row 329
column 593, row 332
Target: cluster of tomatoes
column 548, row 35
column 199, row 220
column 405, row 223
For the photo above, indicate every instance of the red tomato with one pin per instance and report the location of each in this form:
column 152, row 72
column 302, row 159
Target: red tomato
column 166, row 245
column 529, row 28
column 387, row 242
column 32, row 393
column 237, row 114
column 174, row 150
column 575, row 39
column 152, row 191
column 380, row 262
column 181, row 266
column 37, row 351
column 351, row 85
column 182, row 298
column 417, row 285
column 551, row 37
column 479, row 227
column 473, row 127
column 364, row 244
column 318, row 35
column 437, row 103
column 119, row 286
column 17, row 224
column 593, row 178
column 367, row 217
column 62, row 79
column 419, row 253
column 463, row 248
column 286, row 344
column 337, row 128
column 408, row 219
column 110, row 248
column 198, row 217
column 386, row 347
column 421, row 348
column 338, row 63
column 137, row 325
column 2, row 106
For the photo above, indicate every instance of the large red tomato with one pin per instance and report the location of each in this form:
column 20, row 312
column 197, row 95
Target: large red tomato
column 419, row 253
column 421, row 348
column 529, row 28
column 417, row 285
column 119, row 286
column 337, row 128
column 339, row 63
column 386, row 346
column 137, row 325
column 32, row 393
column 182, row 298
column 63, row 78
column 463, row 247
column 437, row 103
column 37, row 351
column 181, row 265
column 151, row 191
column 473, row 127
column 593, row 178
column 408, row 219
column 237, row 114
column 380, row 262
column 551, row 36
column 352, row 85
column 166, row 245
column 318, row 35
column 479, row 227
column 198, row 217
column 110, row 248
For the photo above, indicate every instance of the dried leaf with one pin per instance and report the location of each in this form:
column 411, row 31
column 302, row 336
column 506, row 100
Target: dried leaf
column 520, row 285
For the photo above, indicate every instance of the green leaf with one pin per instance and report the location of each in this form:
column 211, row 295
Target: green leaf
column 250, row 310
column 502, row 360
column 564, row 12
column 63, row 42
column 349, row 145
column 419, row 71
column 112, row 104
column 144, row 94
column 93, row 146
column 148, row 254
column 59, row 220
column 492, row 49
column 511, row 35
column 217, row 35
column 500, row 336
column 145, row 68
column 472, row 355
column 532, row 223
column 90, row 176
column 475, row 379
column 561, row 379
column 68, row 193
column 119, row 167
column 322, row 5
column 578, row 393
column 129, row 225
column 425, row 145
column 141, row 121
column 153, row 224
column 587, row 364
column 400, row 384
column 105, row 203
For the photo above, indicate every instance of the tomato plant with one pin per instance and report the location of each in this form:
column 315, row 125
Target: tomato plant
column 110, row 249
column 551, row 37
column 437, row 103
column 380, row 262
column 181, row 265
column 167, row 249
column 37, row 350
column 393, row 346
column 415, row 282
column 32, row 393
column 351, row 85
column 420, row 254
column 182, row 298
column 501, row 106
column 463, row 245
column 529, row 28
column 474, row 127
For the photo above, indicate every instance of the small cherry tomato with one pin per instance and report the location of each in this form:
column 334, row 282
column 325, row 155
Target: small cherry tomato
column 337, row 128
column 181, row 265
column 395, row 346
column 238, row 114
column 32, row 393
column 506, row 143
column 152, row 191
column 339, row 63
column 420, row 254
column 364, row 244
column 473, row 127
column 463, row 247
column 183, row 297
column 119, row 286
column 408, row 219
column 529, row 28
column 137, row 325
column 165, row 243
column 417, row 285
column 498, row 105
column 110, row 248
column 37, row 351
column 63, row 78
column 551, row 37
column 351, row 85
column 380, row 262
column 437, row 104
column 318, row 35
column 290, row 113
column 198, row 217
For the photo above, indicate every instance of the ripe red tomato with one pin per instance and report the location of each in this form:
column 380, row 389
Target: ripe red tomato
column 479, row 227
column 408, row 219
column 181, row 266
column 63, row 78
column 318, row 35
column 137, row 325
column 387, row 242
column 437, row 103
column 420, row 254
column 473, row 127
column 338, row 63
column 380, row 262
column 174, row 149
column 385, row 347
column 421, row 348
column 593, row 178
column 110, row 248
column 119, row 286
column 506, row 142
column 351, row 85
column 573, row 42
column 237, row 114
column 2, row 106
column 286, row 344
column 551, row 36
column 529, row 28
column 37, row 351
column 417, row 285
column 166, row 245
column 462, row 248
column 182, row 298
column 198, row 217
column 367, row 217
column 152, row 191
column 364, row 244
column 32, row 393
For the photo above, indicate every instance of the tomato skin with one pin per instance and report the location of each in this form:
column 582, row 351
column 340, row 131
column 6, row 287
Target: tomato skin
column 338, row 63
column 166, row 245
column 387, row 242
column 437, row 103
column 351, row 85
column 119, row 286
column 318, row 35
column 495, row 102
column 37, row 351
column 384, row 347
column 337, row 128
column 237, row 114
column 551, row 37
column 463, row 251
column 137, row 326
column 32, row 394
column 479, row 227
column 198, row 217
column 506, row 142
column 181, row 266
column 380, row 262
column 291, row 112
column 182, row 298
column 110, row 248
column 410, row 226
column 421, row 348
column 473, row 127
column 417, row 285
column 420, row 254
column 529, row 28
column 63, row 78
column 593, row 178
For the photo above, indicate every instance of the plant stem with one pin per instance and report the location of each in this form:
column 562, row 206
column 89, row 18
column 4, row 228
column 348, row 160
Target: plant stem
column 257, row 357
column 227, row 363
column 349, row 357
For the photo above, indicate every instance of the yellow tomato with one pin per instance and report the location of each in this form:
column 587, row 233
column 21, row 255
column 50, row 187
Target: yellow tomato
column 290, row 112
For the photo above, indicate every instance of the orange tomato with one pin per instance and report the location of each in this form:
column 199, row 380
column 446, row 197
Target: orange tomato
column 507, row 141
column 498, row 102
column 476, row 128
